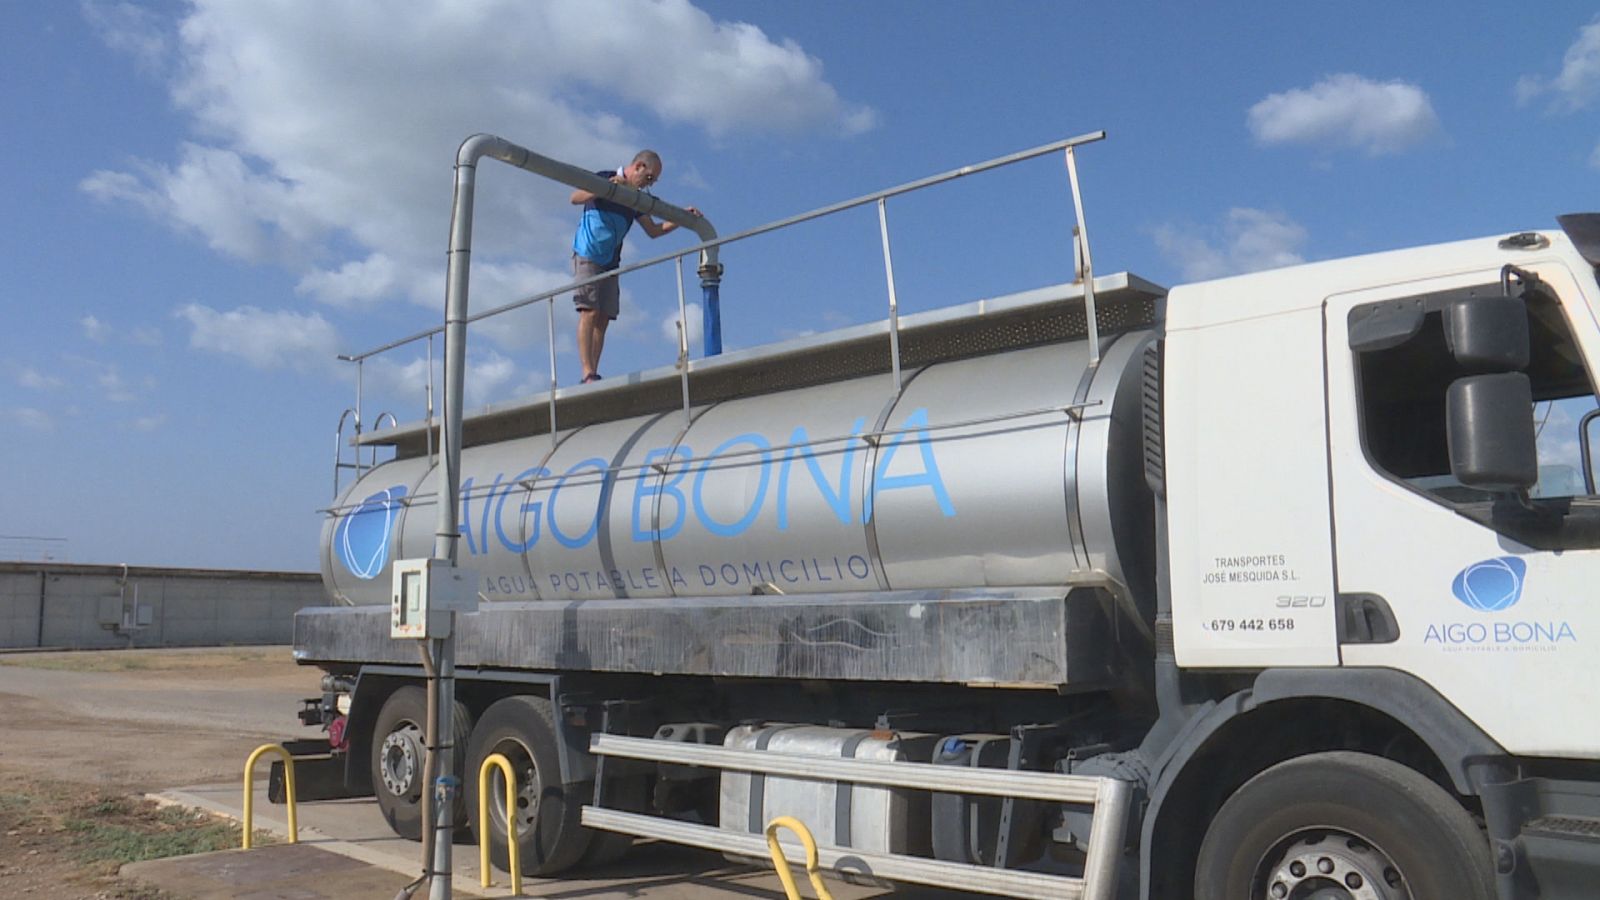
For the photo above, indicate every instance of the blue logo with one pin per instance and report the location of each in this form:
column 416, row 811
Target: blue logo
column 361, row 538
column 1491, row 585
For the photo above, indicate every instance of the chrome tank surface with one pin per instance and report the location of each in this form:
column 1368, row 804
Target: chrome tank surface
column 1022, row 467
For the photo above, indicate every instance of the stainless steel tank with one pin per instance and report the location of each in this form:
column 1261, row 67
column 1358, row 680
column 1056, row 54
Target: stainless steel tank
column 1020, row 467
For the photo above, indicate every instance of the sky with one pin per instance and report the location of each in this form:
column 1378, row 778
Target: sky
column 207, row 202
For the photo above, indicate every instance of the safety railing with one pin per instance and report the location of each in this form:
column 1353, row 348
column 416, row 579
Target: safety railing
column 514, row 855
column 1083, row 272
column 249, row 793
column 1108, row 798
column 781, row 863
column 354, row 413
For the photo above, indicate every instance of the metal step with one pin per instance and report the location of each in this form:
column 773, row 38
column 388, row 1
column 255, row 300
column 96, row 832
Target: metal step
column 1110, row 798
column 1571, row 827
column 979, row 879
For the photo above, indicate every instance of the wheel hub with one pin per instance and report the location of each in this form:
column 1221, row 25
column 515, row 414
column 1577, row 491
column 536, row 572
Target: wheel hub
column 525, row 802
column 1331, row 865
column 402, row 760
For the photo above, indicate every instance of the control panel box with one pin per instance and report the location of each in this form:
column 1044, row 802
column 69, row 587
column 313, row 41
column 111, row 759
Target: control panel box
column 425, row 593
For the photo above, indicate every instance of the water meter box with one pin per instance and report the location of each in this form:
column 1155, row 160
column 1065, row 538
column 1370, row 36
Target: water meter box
column 861, row 817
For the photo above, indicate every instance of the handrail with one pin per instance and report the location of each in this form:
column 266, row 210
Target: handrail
column 249, row 795
column 338, row 448
column 377, row 424
column 515, row 855
column 817, row 213
column 781, row 863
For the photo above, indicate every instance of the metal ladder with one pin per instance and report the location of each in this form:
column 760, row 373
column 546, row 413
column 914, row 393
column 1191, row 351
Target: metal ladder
column 339, row 464
column 1110, row 798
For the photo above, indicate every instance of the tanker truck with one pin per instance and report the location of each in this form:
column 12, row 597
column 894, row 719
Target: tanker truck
column 1270, row 586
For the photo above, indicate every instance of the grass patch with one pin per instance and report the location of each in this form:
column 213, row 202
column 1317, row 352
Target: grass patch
column 122, row 830
column 11, row 803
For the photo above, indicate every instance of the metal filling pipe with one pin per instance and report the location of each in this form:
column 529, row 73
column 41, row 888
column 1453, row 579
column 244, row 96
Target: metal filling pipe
column 446, row 532
column 710, row 270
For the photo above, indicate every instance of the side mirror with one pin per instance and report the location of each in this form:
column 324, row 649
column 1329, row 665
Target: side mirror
column 1490, row 431
column 1488, row 334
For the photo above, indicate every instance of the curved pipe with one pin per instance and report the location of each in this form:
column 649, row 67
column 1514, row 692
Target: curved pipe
column 459, row 259
column 481, row 145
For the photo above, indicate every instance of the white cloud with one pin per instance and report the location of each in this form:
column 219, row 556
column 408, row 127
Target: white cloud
column 721, row 76
column 148, row 423
column 403, row 386
column 217, row 194
column 353, row 283
column 1578, row 83
column 696, row 327
column 1347, row 111
column 266, row 339
column 115, row 386
column 94, row 329
column 33, row 378
column 34, row 419
column 145, row 336
column 325, row 132
column 1247, row 240
column 130, row 29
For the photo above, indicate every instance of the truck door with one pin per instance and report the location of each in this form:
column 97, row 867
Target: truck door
column 1487, row 598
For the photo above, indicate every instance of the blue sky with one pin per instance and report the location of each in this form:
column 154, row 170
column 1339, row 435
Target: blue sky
column 206, row 202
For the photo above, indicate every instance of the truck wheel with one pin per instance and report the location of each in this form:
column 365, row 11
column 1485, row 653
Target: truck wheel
column 398, row 747
column 549, row 838
column 1343, row 826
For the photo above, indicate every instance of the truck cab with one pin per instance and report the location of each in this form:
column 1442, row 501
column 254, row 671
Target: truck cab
column 1380, row 503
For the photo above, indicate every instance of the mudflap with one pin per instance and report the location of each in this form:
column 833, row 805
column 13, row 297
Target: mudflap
column 318, row 774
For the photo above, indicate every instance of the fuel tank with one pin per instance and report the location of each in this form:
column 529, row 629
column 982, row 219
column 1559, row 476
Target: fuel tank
column 1017, row 467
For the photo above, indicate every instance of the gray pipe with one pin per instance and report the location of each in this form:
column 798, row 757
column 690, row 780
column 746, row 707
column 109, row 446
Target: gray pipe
column 459, row 263
column 480, row 145
column 446, row 533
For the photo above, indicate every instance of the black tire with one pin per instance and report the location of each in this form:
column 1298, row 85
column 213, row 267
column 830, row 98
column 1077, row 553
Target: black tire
column 549, row 837
column 1311, row 823
column 398, row 745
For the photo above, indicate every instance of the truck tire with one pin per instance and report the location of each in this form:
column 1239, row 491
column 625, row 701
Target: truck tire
column 1343, row 825
column 549, row 838
column 398, row 748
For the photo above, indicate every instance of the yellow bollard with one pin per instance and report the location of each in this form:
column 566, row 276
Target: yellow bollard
column 497, row 759
column 781, row 863
column 288, row 784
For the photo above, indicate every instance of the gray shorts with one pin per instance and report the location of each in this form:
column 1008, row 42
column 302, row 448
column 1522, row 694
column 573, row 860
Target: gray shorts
column 603, row 297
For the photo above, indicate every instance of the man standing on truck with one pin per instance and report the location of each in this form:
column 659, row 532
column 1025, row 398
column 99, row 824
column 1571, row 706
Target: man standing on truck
column 597, row 248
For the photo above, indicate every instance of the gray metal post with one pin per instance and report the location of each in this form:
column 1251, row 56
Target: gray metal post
column 430, row 398
column 446, row 534
column 1089, row 316
column 550, row 315
column 683, row 342
column 894, row 301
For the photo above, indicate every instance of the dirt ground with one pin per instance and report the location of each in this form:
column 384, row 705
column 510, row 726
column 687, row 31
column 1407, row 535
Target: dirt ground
column 81, row 738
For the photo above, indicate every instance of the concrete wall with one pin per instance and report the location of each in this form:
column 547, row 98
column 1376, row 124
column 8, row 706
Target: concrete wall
column 109, row 606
